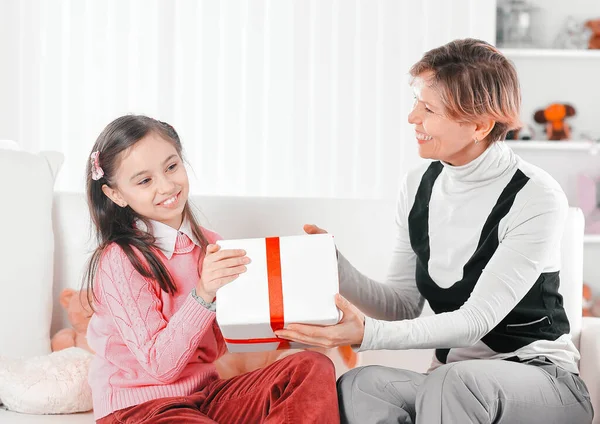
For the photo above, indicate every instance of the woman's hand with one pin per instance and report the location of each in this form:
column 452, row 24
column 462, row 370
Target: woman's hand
column 349, row 331
column 313, row 229
column 220, row 267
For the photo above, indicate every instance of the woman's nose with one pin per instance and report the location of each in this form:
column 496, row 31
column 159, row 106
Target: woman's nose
column 413, row 117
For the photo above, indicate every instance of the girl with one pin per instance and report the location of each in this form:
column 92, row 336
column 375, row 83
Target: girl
column 154, row 277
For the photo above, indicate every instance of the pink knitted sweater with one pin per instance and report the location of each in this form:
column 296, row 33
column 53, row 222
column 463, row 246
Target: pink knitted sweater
column 150, row 344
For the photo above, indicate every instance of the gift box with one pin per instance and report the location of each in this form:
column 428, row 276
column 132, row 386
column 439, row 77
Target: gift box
column 289, row 280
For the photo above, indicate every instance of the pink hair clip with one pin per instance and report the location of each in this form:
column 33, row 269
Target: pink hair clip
column 97, row 171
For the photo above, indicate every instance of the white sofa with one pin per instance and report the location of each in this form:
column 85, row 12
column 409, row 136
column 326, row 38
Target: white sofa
column 363, row 231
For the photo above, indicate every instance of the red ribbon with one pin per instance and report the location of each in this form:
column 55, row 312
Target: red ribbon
column 275, row 296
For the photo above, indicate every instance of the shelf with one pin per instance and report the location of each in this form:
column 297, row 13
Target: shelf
column 581, row 145
column 551, row 53
column 591, row 238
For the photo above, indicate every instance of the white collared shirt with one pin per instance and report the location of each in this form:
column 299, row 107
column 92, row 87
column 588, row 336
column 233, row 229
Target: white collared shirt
column 166, row 236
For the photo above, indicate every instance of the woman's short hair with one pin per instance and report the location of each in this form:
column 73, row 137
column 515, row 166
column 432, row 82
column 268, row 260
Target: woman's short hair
column 475, row 81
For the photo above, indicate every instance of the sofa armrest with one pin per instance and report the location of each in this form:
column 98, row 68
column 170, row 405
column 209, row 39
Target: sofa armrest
column 589, row 365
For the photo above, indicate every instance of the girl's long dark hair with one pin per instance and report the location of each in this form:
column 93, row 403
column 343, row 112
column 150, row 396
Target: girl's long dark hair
column 114, row 224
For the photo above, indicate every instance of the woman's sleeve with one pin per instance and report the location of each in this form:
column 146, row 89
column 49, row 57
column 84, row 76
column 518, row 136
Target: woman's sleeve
column 511, row 272
column 398, row 297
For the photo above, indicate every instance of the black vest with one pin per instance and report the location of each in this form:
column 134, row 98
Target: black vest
column 538, row 316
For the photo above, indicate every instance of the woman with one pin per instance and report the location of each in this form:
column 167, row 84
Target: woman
column 478, row 236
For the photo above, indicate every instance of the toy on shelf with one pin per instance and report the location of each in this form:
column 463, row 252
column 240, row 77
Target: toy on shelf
column 554, row 117
column 591, row 303
column 594, row 40
column 588, row 198
column 586, row 309
column 525, row 133
column 573, row 35
column 516, row 23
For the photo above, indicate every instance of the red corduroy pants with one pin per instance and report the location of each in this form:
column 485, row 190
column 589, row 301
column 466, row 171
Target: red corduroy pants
column 297, row 389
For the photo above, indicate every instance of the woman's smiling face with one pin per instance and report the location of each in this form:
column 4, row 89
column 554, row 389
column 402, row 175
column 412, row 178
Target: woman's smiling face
column 439, row 137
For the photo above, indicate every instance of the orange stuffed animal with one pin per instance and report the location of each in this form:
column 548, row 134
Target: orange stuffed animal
column 588, row 301
column 594, row 25
column 554, row 118
column 591, row 303
column 79, row 312
column 232, row 364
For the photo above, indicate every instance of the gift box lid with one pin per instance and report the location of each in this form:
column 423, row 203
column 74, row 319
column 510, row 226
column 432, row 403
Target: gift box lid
column 307, row 287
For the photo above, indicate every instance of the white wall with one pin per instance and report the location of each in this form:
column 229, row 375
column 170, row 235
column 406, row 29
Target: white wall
column 9, row 90
column 271, row 97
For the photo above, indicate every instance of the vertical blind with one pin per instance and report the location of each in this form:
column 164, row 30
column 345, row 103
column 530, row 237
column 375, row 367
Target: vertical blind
column 270, row 97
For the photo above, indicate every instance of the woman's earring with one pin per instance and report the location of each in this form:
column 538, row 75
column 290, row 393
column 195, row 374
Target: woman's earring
column 476, row 140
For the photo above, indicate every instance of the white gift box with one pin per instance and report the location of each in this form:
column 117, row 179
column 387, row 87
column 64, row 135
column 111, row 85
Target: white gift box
column 289, row 280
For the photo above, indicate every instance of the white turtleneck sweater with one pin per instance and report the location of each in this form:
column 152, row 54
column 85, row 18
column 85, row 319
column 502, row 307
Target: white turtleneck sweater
column 462, row 198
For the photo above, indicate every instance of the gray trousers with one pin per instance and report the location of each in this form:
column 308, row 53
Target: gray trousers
column 475, row 391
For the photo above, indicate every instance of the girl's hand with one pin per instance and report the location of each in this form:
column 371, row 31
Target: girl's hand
column 349, row 331
column 220, row 267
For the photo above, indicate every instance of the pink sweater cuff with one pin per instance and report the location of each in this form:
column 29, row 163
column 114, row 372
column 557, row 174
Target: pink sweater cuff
column 195, row 314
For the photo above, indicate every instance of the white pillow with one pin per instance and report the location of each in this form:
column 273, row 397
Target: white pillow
column 26, row 251
column 48, row 384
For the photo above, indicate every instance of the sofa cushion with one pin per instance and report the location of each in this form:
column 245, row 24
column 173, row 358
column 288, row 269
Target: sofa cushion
column 26, row 249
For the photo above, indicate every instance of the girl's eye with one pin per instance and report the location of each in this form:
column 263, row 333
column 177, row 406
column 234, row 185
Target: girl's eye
column 172, row 167
column 144, row 181
column 428, row 110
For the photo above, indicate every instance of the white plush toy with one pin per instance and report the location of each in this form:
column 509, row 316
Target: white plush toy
column 50, row 384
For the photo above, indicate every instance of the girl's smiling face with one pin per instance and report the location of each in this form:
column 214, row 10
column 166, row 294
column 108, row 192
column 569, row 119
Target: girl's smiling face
column 151, row 179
